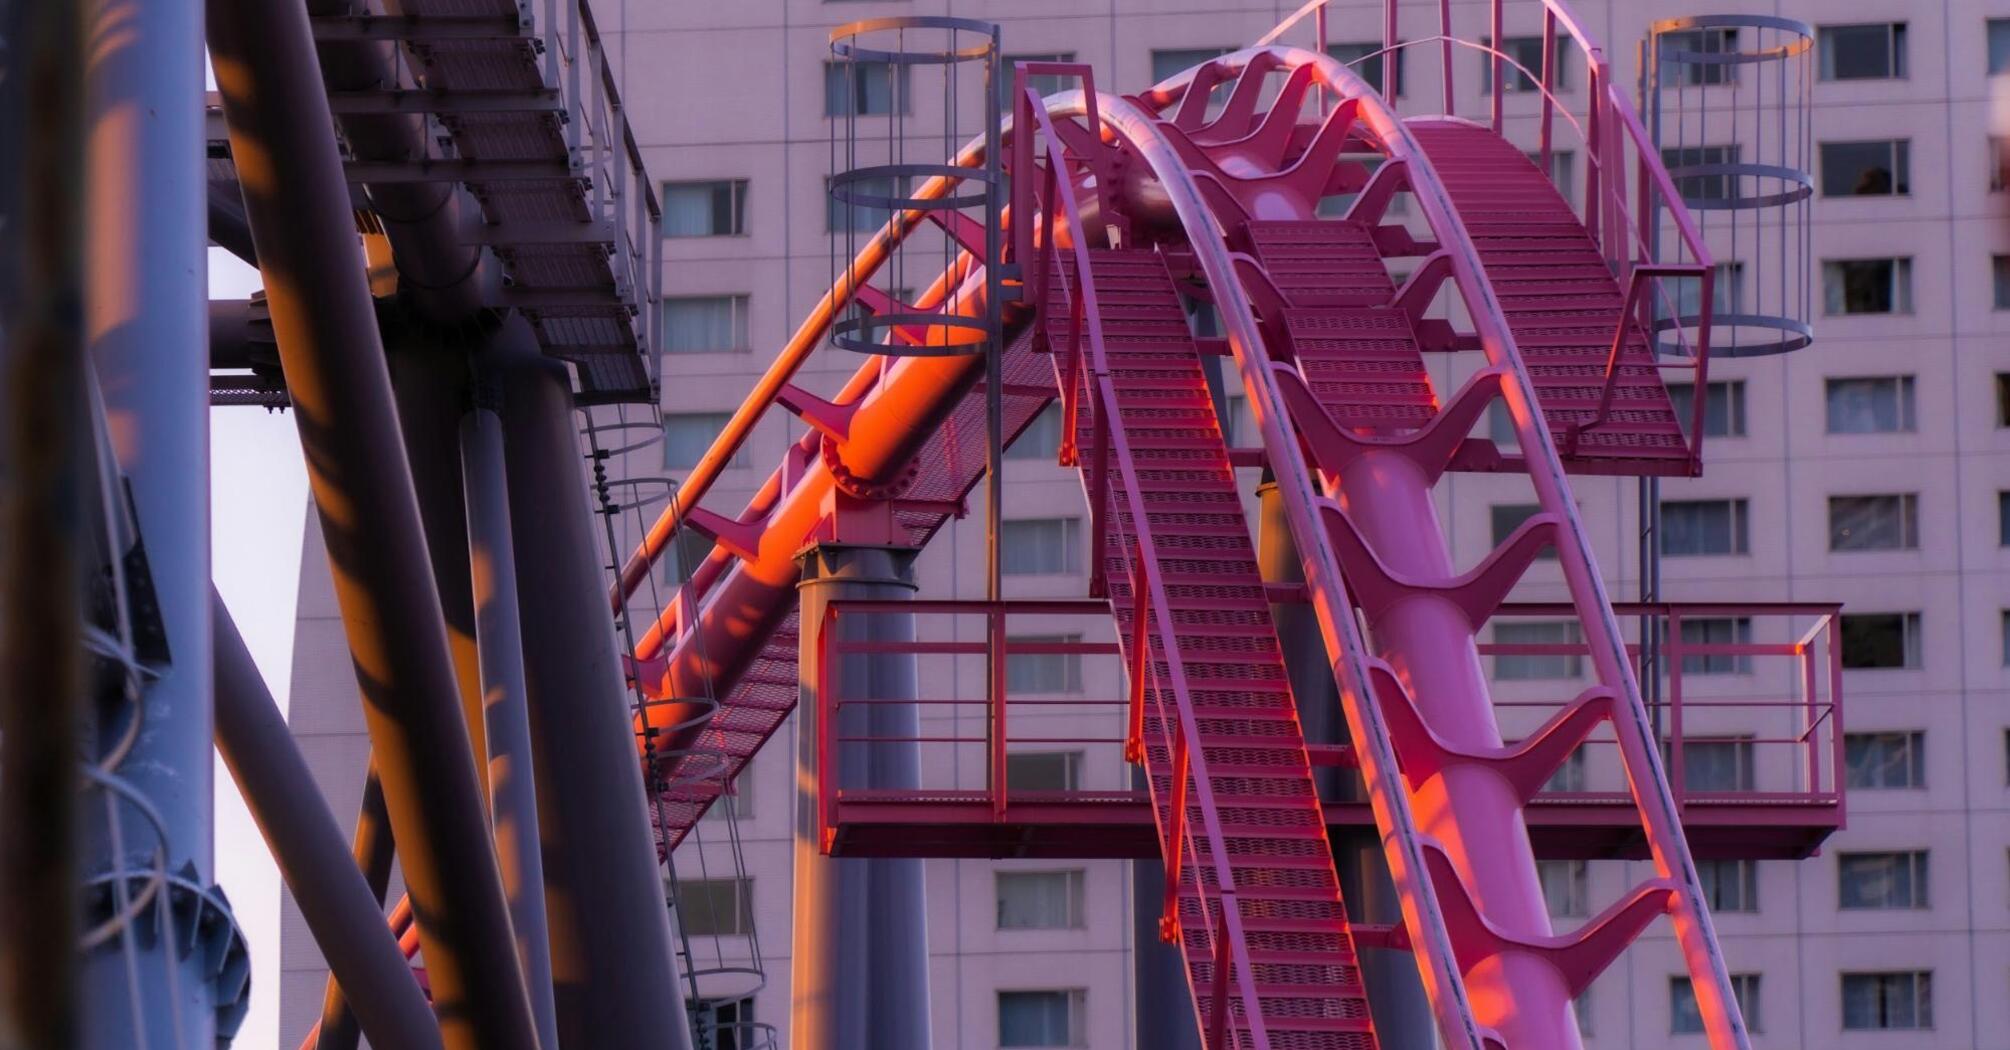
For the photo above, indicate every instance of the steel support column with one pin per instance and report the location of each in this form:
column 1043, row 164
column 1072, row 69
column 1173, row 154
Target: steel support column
column 145, row 316
column 859, row 959
column 297, row 201
column 615, row 981
column 334, row 897
column 1396, row 997
column 499, row 640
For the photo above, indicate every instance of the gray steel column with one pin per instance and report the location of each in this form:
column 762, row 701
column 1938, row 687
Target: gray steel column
column 499, row 639
column 146, row 321
column 859, row 964
column 298, row 203
column 615, row 980
column 335, row 899
column 45, row 469
column 1396, row 998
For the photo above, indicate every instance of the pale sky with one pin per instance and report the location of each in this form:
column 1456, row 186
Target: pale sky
column 258, row 503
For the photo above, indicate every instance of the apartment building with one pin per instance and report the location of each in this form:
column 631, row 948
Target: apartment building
column 1872, row 468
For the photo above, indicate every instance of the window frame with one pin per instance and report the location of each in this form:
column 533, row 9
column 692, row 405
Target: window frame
column 739, row 311
column 899, row 88
column 743, row 907
column 1074, row 896
column 1919, row 989
column 1068, row 547
column 1855, row 767
column 1911, row 624
column 1899, row 167
column 1836, row 291
column 1738, row 514
column 1907, row 528
column 1569, row 665
column 1905, row 403
column 1896, row 66
column 1076, row 1000
column 1734, row 406
column 736, row 190
column 1917, row 876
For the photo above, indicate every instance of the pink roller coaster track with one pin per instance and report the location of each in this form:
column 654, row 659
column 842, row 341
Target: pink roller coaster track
column 1122, row 207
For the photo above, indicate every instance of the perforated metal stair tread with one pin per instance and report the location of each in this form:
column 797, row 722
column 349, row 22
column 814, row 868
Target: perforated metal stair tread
column 1272, row 822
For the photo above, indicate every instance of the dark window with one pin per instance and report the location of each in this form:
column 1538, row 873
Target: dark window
column 1357, row 55
column 1881, row 881
column 1867, row 286
column 1043, row 84
column 1717, row 766
column 2003, row 399
column 1685, row 1018
column 1872, row 51
column 1874, row 523
column 1043, row 771
column 1526, row 50
column 1700, row 42
column 1999, row 277
column 1999, row 45
column 1885, row 760
column 1172, row 61
column 2003, row 519
column 729, row 1022
column 713, row 208
column 1999, row 164
column 1701, row 186
column 1871, row 405
column 715, row 907
column 1043, row 1018
column 1730, row 885
column 1704, row 526
column 1508, row 517
column 865, row 89
column 1871, row 641
column 1872, row 1001
column 1723, row 406
column 1879, row 168
column 1717, row 630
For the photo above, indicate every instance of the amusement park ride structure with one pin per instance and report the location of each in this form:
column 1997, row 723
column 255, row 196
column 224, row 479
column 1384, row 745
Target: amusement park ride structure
column 484, row 159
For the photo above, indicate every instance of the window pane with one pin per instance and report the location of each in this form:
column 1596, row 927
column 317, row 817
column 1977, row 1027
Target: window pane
column 1512, row 666
column 737, row 802
column 1867, row 286
column 1039, row 900
column 1704, row 186
column 713, row 208
column 705, row 324
column 1040, row 1018
column 1884, row 760
column 1563, row 887
column 1723, row 407
column 1042, row 437
column 686, row 436
column 1868, row 523
column 715, row 907
column 1887, row 1000
column 1999, row 274
column 1730, row 885
column 1043, row 771
column 1043, row 84
column 1716, row 630
column 1508, row 517
column 1527, row 51
column 2003, row 399
column 856, row 214
column 1870, row 405
column 1881, row 880
column 1862, row 52
column 1702, row 527
column 1685, row 1017
column 1177, row 60
column 1042, row 672
column 1355, row 55
column 864, row 89
column 1999, row 46
column 1698, row 41
column 1866, row 169
column 1569, row 777
column 1039, row 546
column 1727, row 286
column 1880, row 640
column 1718, row 766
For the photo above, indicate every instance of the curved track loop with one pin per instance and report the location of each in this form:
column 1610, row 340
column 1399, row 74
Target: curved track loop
column 1454, row 839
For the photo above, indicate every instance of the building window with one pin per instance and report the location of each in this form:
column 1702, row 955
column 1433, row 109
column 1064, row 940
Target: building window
column 1717, row 630
column 1697, row 187
column 1999, row 164
column 1172, row 61
column 1563, row 887
column 687, row 550
column 1881, row 881
column 865, row 89
column 1533, row 666
column 1055, row 1018
column 1870, row 51
column 1867, row 286
column 730, row 1023
column 711, row 208
column 715, row 907
column 1686, row 1018
column 1872, row 1001
column 1569, row 777
column 1508, row 517
column 737, row 801
column 1876, row 168
column 1718, row 766
column 2002, row 399
column 1702, row 42
column 1704, row 526
column 2006, row 637
column 1039, row 546
column 1999, row 45
column 1723, row 406
column 1884, row 760
column 1042, row 437
column 1042, row 672
column 1043, row 84
column 1874, row 523
column 1871, row 405
column 1730, row 885
column 1873, row 641
column 1526, row 50
column 687, row 436
column 1356, row 54
column 700, row 324
column 1043, row 771
column 1727, row 287
column 2003, row 519
column 1999, row 278
column 857, row 215
column 1040, row 900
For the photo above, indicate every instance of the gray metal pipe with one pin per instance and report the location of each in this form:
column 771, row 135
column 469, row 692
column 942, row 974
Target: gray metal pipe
column 297, row 201
column 615, row 980
column 373, row 849
column 859, row 957
column 345, row 918
column 499, row 640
